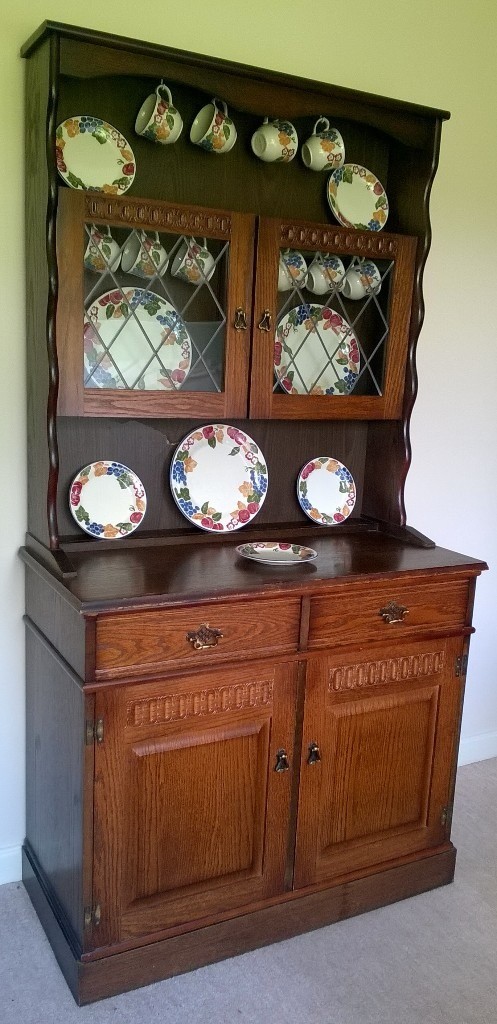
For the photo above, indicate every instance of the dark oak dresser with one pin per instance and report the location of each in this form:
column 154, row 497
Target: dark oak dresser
column 222, row 754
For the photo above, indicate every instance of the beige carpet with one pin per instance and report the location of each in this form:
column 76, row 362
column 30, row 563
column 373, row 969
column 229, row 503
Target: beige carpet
column 428, row 960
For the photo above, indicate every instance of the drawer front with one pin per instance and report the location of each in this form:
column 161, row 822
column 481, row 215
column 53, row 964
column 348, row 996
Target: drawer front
column 381, row 611
column 132, row 643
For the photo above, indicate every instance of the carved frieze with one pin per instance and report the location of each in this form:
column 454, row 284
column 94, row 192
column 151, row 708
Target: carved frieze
column 388, row 670
column 155, row 215
column 176, row 707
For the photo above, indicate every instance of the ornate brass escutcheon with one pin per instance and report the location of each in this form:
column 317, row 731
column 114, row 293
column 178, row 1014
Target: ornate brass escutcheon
column 240, row 319
column 204, row 636
column 393, row 612
column 265, row 321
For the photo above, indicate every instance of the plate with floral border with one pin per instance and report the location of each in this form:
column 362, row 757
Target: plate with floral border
column 315, row 352
column 107, row 500
column 134, row 339
column 269, row 552
column 326, row 491
column 357, row 199
column 93, row 155
column 218, row 478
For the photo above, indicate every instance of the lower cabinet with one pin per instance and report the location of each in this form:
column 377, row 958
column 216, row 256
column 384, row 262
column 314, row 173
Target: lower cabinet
column 379, row 743
column 192, row 797
column 193, row 781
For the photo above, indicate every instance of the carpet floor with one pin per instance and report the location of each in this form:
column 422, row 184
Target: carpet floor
column 427, row 960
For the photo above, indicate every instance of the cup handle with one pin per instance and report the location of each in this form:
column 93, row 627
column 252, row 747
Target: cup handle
column 321, row 120
column 266, row 120
column 164, row 88
column 215, row 102
column 157, row 239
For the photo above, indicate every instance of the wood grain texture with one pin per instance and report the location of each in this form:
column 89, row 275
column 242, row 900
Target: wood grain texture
column 356, row 616
column 191, row 818
column 57, row 817
column 123, row 971
column 146, row 642
column 121, row 577
column 383, row 781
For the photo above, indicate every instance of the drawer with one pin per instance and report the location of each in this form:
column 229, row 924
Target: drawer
column 369, row 612
column 132, row 643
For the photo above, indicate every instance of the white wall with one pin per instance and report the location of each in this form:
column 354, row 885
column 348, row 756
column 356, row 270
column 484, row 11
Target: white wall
column 438, row 54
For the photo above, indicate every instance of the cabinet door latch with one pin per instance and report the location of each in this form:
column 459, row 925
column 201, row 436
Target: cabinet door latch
column 461, row 665
column 93, row 916
column 94, row 731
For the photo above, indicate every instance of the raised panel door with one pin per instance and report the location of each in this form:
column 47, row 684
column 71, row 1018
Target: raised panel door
column 385, row 728
column 191, row 817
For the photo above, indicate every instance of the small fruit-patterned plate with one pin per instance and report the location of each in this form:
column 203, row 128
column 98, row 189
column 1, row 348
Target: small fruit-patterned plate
column 270, row 552
column 92, row 154
column 357, row 198
column 107, row 500
column 218, row 477
column 326, row 491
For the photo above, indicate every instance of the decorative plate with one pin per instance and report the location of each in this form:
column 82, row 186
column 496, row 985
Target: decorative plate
column 326, row 491
column 92, row 154
column 315, row 352
column 107, row 500
column 131, row 338
column 357, row 198
column 273, row 553
column 218, row 477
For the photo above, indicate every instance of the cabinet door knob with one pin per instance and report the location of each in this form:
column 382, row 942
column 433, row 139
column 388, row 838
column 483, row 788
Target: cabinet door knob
column 240, row 319
column 394, row 612
column 314, row 754
column 282, row 762
column 265, row 321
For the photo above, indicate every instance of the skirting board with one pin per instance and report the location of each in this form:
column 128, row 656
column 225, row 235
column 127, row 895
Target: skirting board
column 477, row 748
column 10, row 864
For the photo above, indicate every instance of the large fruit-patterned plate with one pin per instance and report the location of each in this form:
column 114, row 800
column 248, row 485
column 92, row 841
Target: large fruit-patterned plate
column 134, row 339
column 218, row 477
column 315, row 352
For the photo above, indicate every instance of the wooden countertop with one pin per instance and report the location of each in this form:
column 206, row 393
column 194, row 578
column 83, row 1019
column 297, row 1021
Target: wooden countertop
column 181, row 574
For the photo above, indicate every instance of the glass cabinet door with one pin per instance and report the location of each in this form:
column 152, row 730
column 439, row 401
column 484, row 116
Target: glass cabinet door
column 155, row 312
column 332, row 312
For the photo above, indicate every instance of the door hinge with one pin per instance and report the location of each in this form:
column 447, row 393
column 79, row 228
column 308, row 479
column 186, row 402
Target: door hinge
column 446, row 815
column 93, row 915
column 94, row 731
column 461, row 665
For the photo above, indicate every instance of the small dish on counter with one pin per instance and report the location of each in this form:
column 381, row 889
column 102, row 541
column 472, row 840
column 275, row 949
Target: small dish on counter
column 270, row 552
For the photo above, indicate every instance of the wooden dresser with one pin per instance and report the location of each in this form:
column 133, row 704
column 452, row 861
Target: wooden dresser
column 222, row 754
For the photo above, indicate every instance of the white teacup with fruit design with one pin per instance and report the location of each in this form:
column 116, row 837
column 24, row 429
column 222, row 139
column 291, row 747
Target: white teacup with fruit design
column 361, row 280
column 102, row 252
column 144, row 256
column 275, row 141
column 158, row 119
column 193, row 262
column 292, row 270
column 324, row 149
column 213, row 129
column 325, row 272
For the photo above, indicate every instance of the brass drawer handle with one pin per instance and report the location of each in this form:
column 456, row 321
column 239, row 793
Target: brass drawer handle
column 393, row 612
column 240, row 319
column 282, row 762
column 204, row 636
column 265, row 321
